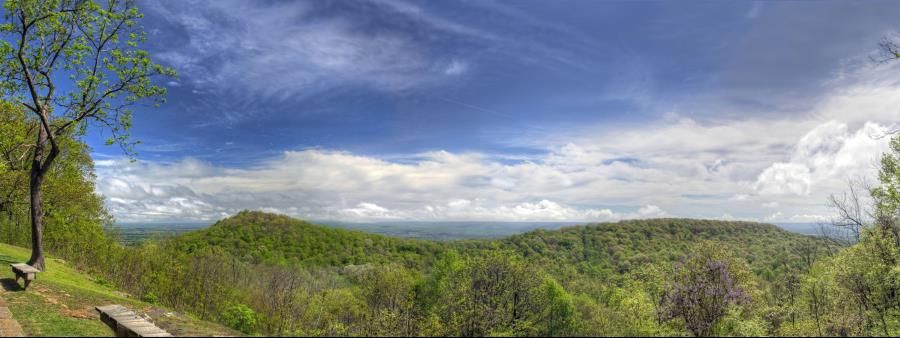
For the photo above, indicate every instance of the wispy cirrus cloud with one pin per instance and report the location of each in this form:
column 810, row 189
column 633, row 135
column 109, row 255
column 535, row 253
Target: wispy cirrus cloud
column 287, row 49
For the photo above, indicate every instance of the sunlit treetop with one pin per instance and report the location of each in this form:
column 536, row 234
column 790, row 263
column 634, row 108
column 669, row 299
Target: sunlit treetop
column 77, row 62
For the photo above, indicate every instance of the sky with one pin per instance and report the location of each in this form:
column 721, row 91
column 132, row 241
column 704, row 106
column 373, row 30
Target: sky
column 591, row 111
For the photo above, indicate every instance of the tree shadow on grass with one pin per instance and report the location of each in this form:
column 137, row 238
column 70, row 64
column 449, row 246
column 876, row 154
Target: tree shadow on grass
column 10, row 284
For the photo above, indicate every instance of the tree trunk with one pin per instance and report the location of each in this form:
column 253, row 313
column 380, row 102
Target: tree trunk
column 37, row 212
column 39, row 165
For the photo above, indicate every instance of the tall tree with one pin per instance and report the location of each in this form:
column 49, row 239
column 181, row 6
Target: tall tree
column 887, row 195
column 72, row 63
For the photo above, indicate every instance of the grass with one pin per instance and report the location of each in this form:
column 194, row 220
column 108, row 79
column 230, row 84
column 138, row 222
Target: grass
column 61, row 301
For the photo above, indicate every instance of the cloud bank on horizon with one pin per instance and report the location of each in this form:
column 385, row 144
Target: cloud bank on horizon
column 522, row 111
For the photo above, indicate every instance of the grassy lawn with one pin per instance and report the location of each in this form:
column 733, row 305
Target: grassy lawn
column 61, row 301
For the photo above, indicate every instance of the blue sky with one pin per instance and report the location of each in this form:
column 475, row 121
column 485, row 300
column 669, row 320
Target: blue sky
column 522, row 110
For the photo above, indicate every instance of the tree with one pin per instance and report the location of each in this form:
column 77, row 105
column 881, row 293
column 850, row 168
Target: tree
column 558, row 310
column 71, row 63
column 703, row 287
column 857, row 292
column 887, row 195
column 74, row 215
column 851, row 208
column 390, row 293
column 494, row 293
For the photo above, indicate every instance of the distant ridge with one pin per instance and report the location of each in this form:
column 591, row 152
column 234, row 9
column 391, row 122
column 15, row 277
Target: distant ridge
column 619, row 246
column 135, row 232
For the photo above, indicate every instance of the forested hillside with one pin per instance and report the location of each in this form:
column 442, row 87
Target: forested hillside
column 266, row 238
column 611, row 248
column 615, row 247
column 604, row 249
column 384, row 285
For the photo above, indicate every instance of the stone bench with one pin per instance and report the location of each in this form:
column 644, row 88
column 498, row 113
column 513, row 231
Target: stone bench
column 126, row 323
column 26, row 272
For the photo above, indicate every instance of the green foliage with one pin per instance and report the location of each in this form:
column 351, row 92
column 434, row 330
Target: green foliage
column 150, row 297
column 240, row 317
column 301, row 278
column 496, row 293
column 92, row 46
column 559, row 310
column 887, row 195
column 70, row 63
column 611, row 250
column 75, row 216
column 61, row 302
column 854, row 292
column 280, row 240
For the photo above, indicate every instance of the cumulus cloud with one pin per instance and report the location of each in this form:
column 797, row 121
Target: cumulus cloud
column 827, row 153
column 368, row 211
column 572, row 182
column 321, row 184
column 784, row 178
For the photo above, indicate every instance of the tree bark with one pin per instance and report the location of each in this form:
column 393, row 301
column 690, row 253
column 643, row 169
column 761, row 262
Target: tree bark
column 39, row 165
column 37, row 212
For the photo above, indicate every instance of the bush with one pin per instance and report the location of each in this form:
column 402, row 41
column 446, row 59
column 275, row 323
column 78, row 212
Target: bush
column 150, row 297
column 240, row 317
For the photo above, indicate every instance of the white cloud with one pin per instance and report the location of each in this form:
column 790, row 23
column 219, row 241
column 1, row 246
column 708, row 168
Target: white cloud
column 456, row 67
column 337, row 185
column 773, row 217
column 280, row 50
column 678, row 167
column 651, row 211
column 827, row 154
column 739, row 197
column 369, row 211
column 582, row 183
column 784, row 178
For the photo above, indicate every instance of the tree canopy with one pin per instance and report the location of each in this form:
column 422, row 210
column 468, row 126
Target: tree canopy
column 71, row 63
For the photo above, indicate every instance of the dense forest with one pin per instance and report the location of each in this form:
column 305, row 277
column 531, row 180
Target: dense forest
column 262, row 273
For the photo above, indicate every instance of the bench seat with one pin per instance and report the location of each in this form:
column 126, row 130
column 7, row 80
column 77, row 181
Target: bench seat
column 126, row 323
column 27, row 272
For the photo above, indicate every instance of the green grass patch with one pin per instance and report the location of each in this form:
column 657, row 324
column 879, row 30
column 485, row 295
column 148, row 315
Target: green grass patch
column 61, row 301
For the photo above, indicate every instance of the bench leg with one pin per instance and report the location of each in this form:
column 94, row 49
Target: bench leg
column 27, row 281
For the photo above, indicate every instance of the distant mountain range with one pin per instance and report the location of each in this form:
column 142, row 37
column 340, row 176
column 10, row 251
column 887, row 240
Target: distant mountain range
column 133, row 232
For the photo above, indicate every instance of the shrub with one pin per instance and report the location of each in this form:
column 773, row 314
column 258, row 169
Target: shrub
column 240, row 317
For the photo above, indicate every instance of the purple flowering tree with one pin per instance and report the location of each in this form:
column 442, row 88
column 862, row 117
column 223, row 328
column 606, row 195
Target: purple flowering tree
column 701, row 290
